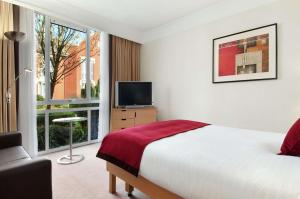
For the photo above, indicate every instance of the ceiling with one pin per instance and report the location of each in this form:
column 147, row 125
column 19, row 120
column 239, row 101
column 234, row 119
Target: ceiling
column 141, row 14
column 140, row 20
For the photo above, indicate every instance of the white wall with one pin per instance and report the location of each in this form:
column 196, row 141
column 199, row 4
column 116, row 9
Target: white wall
column 180, row 67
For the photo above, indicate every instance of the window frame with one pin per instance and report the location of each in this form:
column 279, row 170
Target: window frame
column 47, row 100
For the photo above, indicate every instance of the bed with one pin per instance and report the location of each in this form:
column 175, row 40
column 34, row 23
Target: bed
column 215, row 162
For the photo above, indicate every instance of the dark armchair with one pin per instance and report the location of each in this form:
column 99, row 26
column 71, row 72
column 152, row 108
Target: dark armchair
column 20, row 176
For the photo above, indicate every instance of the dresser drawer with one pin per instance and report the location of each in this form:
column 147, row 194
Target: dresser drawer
column 122, row 124
column 123, row 114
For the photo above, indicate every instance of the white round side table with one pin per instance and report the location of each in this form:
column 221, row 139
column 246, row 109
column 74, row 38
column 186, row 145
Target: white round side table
column 70, row 159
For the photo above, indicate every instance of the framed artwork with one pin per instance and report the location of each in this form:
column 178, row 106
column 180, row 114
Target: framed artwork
column 246, row 56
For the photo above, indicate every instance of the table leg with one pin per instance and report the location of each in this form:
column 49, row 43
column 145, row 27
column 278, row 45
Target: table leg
column 71, row 139
column 70, row 159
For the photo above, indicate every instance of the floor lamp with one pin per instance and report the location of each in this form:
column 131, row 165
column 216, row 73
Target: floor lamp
column 16, row 37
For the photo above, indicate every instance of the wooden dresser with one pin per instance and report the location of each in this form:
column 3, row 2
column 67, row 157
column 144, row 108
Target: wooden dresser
column 122, row 118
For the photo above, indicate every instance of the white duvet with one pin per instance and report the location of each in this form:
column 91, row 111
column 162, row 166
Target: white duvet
column 217, row 162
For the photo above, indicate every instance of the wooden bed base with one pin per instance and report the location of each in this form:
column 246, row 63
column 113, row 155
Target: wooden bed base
column 144, row 185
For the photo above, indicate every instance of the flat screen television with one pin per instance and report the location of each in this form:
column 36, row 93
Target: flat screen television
column 130, row 93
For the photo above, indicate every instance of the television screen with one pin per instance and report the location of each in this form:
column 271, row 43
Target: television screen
column 133, row 93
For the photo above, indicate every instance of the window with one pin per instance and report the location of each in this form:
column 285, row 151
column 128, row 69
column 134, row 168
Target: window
column 65, row 86
column 66, row 47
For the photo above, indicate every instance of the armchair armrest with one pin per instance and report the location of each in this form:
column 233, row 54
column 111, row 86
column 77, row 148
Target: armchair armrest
column 26, row 179
column 10, row 139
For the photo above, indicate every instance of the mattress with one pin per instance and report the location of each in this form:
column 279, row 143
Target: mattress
column 218, row 162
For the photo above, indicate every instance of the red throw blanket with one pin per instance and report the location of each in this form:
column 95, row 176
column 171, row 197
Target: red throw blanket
column 125, row 147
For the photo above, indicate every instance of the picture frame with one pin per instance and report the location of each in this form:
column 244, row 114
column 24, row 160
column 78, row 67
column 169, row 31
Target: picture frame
column 246, row 56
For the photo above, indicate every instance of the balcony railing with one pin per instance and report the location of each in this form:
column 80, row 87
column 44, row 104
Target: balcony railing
column 54, row 137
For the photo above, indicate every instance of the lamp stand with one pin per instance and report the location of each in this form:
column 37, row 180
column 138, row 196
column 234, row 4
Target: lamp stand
column 16, row 37
column 8, row 117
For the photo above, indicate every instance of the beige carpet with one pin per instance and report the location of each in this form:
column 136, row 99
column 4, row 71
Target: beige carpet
column 84, row 180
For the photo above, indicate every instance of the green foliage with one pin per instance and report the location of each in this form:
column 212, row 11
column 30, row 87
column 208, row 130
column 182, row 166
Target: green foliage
column 83, row 105
column 83, row 92
column 59, row 132
column 41, row 132
column 95, row 90
column 40, row 98
column 61, row 106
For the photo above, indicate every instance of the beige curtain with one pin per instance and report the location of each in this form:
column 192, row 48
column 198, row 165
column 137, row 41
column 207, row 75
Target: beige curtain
column 125, row 62
column 8, row 119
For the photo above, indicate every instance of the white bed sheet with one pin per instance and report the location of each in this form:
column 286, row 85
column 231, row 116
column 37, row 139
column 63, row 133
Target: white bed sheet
column 218, row 162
